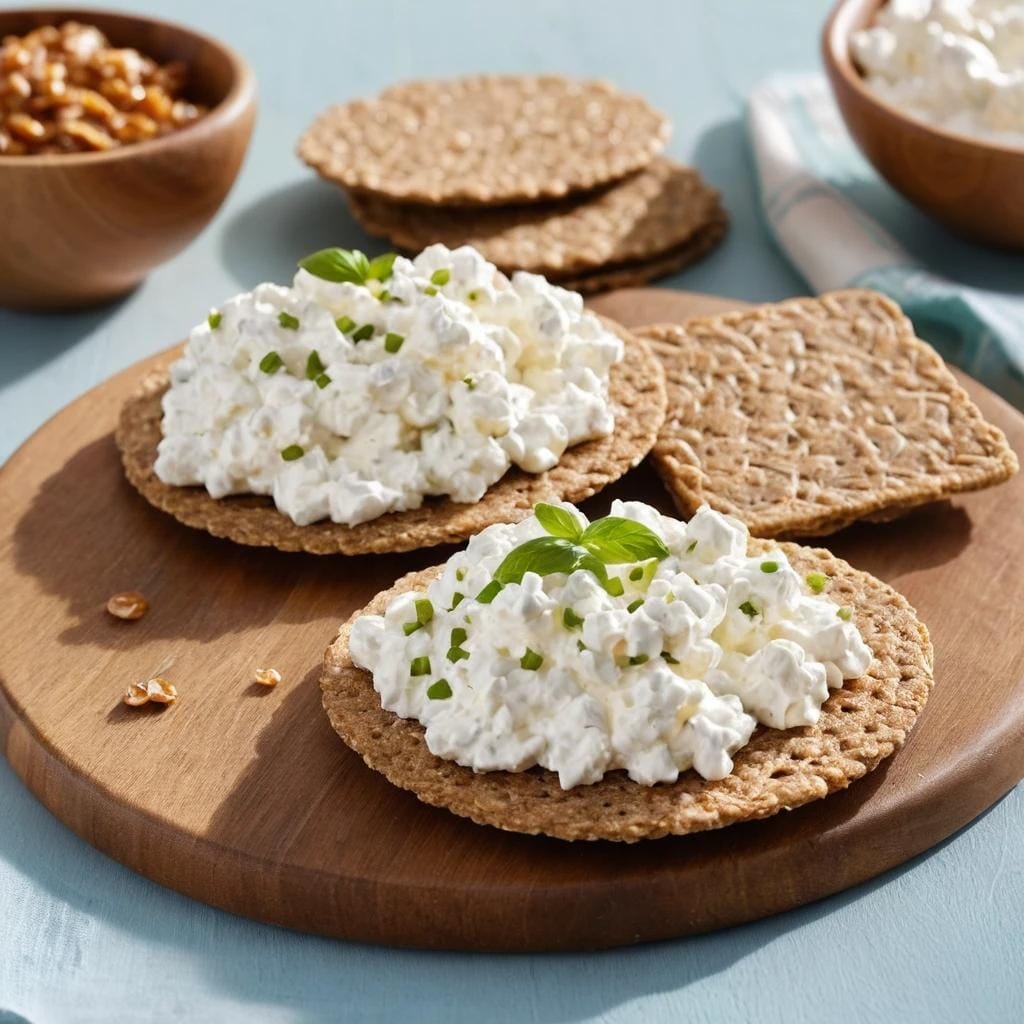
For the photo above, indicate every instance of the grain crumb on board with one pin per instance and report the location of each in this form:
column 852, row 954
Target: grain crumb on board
column 267, row 676
column 156, row 691
column 128, row 604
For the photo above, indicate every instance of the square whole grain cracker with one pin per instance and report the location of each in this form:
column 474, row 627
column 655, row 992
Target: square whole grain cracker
column 653, row 215
column 636, row 389
column 863, row 722
column 802, row 417
column 485, row 139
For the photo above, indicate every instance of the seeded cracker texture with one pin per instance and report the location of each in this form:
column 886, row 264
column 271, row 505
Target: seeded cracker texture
column 636, row 389
column 632, row 275
column 861, row 724
column 803, row 417
column 648, row 215
column 485, row 139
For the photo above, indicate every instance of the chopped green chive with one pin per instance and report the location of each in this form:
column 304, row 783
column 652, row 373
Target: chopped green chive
column 668, row 657
column 314, row 367
column 571, row 620
column 456, row 653
column 580, row 645
column 639, row 659
column 419, row 666
column 271, row 363
column 458, row 637
column 393, row 342
column 424, row 611
column 287, row 321
column 845, row 614
column 439, row 690
column 531, row 660
column 344, row 324
column 473, row 295
column 364, row 332
column 748, row 609
column 213, row 319
column 384, row 295
column 292, row 452
column 441, row 277
column 322, row 381
column 614, row 586
column 636, row 574
column 691, row 547
column 816, row 581
column 489, row 593
column 633, row 605
column 430, row 290
column 769, row 567
column 460, row 574
column 470, row 383
column 457, row 599
column 410, row 627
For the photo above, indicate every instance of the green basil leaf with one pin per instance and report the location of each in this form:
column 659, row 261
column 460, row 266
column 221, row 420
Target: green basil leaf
column 616, row 540
column 338, row 265
column 590, row 562
column 557, row 521
column 381, row 267
column 542, row 555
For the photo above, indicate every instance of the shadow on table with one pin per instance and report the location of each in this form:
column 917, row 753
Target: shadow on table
column 315, row 978
column 263, row 241
column 123, row 543
column 30, row 340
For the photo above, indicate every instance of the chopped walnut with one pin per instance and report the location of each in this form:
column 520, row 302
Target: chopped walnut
column 129, row 604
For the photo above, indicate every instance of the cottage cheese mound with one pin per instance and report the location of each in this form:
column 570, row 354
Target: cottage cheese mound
column 347, row 401
column 669, row 665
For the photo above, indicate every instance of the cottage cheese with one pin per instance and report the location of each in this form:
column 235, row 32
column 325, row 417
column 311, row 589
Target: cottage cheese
column 674, row 673
column 958, row 64
column 347, row 401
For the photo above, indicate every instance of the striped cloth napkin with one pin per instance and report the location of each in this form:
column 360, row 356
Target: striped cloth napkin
column 807, row 165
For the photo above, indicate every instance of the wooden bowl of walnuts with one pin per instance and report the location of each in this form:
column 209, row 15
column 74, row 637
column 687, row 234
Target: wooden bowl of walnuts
column 120, row 137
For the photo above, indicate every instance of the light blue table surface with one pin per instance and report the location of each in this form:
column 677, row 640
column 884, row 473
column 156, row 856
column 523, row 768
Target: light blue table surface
column 83, row 939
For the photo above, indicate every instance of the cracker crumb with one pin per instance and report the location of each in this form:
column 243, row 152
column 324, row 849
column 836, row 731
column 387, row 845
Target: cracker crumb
column 267, row 676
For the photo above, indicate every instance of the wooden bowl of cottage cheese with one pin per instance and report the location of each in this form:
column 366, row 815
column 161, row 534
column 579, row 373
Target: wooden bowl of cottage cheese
column 935, row 100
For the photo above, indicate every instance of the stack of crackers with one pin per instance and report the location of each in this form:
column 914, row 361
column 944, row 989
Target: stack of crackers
column 545, row 174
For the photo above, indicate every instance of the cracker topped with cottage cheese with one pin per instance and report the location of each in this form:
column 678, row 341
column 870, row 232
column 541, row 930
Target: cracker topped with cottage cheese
column 634, row 642
column 366, row 387
column 389, row 394
column 635, row 656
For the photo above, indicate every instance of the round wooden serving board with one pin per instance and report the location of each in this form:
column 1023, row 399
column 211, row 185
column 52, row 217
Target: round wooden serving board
column 244, row 797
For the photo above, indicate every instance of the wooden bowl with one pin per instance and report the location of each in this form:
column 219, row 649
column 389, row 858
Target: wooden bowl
column 973, row 186
column 82, row 228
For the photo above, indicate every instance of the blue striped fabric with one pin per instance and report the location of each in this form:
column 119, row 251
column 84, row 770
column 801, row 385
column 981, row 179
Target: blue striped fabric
column 809, row 170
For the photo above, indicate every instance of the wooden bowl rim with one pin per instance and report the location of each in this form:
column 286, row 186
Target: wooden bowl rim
column 239, row 97
column 835, row 49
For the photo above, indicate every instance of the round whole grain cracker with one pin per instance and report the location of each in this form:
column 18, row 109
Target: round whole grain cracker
column 801, row 417
column 862, row 723
column 647, row 215
column 485, row 139
column 636, row 389
column 634, row 274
